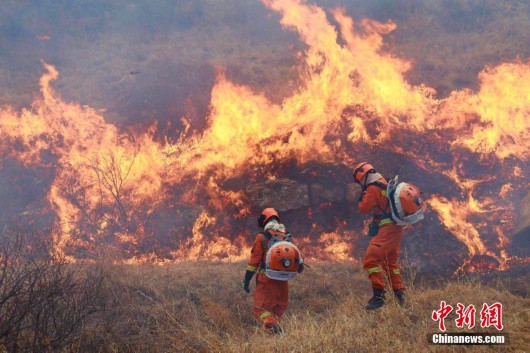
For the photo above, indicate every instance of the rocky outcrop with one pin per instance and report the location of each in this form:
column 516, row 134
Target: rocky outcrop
column 287, row 194
column 320, row 193
column 282, row 194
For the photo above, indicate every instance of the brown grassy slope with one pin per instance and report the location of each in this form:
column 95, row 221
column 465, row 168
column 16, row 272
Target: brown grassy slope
column 201, row 307
column 175, row 45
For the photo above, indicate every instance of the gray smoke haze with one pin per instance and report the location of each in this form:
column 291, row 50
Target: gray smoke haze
column 151, row 60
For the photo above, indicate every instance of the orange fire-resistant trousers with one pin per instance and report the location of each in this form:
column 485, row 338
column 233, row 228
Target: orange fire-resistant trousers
column 382, row 256
column 270, row 300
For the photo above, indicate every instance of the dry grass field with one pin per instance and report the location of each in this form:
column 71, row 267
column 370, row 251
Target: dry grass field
column 200, row 307
column 49, row 305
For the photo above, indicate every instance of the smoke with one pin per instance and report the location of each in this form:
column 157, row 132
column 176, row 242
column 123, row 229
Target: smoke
column 156, row 60
column 141, row 60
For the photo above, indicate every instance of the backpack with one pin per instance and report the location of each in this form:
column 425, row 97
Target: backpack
column 406, row 203
column 283, row 257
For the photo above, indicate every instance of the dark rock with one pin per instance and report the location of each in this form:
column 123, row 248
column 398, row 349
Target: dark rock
column 429, row 248
column 520, row 241
column 297, row 222
column 353, row 192
column 282, row 194
column 520, row 245
column 322, row 193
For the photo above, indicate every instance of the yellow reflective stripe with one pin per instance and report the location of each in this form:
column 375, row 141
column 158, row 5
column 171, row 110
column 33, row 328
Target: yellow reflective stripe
column 374, row 269
column 262, row 270
column 384, row 221
column 252, row 268
column 396, row 272
column 264, row 315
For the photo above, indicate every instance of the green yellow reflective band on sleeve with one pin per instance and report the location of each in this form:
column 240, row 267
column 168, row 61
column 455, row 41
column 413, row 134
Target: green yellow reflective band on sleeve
column 264, row 315
column 384, row 221
column 396, row 272
column 374, row 270
column 251, row 268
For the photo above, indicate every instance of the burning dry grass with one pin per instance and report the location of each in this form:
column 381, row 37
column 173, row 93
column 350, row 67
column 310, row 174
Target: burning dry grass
column 104, row 185
column 200, row 307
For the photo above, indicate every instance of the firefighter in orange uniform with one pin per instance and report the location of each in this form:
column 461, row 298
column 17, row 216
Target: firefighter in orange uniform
column 271, row 296
column 383, row 250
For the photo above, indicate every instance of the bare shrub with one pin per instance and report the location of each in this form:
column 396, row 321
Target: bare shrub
column 44, row 301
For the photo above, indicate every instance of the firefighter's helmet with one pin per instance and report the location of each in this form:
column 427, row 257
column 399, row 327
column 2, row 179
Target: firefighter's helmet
column 265, row 215
column 361, row 170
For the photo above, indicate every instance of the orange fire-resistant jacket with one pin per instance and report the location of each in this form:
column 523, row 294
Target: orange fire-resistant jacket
column 271, row 296
column 383, row 250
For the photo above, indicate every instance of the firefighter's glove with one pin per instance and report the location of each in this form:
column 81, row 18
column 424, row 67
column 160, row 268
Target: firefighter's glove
column 246, row 281
column 300, row 268
column 301, row 265
column 246, row 286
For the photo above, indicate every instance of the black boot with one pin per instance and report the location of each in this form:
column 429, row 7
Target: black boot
column 377, row 300
column 275, row 329
column 400, row 296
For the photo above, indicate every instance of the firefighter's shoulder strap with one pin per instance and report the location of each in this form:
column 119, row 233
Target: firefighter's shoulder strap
column 265, row 239
column 386, row 216
column 380, row 185
column 268, row 240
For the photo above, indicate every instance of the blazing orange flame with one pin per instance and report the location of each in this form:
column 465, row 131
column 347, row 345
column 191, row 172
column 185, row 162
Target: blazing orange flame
column 106, row 181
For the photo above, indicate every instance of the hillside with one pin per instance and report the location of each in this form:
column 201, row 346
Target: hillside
column 173, row 49
column 141, row 139
column 200, row 307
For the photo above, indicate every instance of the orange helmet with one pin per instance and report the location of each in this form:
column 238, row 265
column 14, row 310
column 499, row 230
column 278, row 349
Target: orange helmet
column 266, row 214
column 283, row 256
column 410, row 198
column 361, row 170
